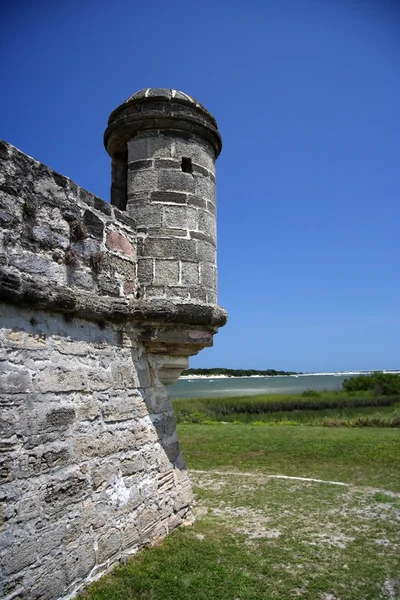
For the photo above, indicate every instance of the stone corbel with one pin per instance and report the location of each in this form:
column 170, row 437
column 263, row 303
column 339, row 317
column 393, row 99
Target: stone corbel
column 171, row 344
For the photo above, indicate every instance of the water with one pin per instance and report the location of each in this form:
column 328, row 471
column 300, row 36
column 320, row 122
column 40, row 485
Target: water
column 250, row 386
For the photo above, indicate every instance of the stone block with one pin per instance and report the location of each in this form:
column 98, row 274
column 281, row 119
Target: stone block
column 80, row 558
column 86, row 248
column 184, row 497
column 48, row 239
column 166, row 272
column 137, row 165
column 158, row 146
column 167, row 163
column 182, row 217
column 14, row 380
column 200, row 153
column 35, row 264
column 177, row 248
column 208, row 276
column 211, row 207
column 177, row 292
column 167, row 197
column 95, row 512
column 165, row 424
column 109, row 544
column 196, row 201
column 6, row 470
column 51, row 585
column 119, row 243
column 122, row 375
column 20, row 556
column 80, row 279
column 137, row 149
column 147, row 215
column 135, row 200
column 204, row 187
column 102, row 206
column 147, row 520
column 207, row 224
column 103, row 473
column 154, row 291
column 143, row 374
column 145, row 270
column 158, row 400
column 211, row 297
column 131, row 536
column 109, row 286
column 132, row 465
column 122, row 217
column 176, row 181
column 119, row 409
column 13, row 587
column 110, row 442
column 62, row 492
column 94, row 226
column 190, row 273
column 85, row 446
column 198, row 292
column 142, row 181
column 57, row 379
column 59, row 418
column 205, row 252
column 42, row 460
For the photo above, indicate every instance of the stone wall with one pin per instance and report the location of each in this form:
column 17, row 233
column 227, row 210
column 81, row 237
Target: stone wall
column 90, row 463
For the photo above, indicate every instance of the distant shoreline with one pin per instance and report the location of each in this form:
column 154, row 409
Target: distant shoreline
column 334, row 374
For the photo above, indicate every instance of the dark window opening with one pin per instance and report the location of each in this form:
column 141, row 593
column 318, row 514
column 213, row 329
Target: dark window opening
column 187, row 166
column 119, row 181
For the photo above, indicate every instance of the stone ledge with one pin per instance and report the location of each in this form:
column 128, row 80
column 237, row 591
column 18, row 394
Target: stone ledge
column 42, row 294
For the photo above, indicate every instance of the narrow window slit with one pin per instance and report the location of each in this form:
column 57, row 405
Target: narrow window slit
column 119, row 181
column 187, row 166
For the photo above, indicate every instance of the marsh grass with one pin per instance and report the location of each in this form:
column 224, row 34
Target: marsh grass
column 358, row 409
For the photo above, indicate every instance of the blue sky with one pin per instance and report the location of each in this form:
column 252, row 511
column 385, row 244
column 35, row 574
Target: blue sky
column 307, row 98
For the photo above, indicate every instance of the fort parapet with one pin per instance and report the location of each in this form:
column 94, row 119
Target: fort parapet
column 100, row 306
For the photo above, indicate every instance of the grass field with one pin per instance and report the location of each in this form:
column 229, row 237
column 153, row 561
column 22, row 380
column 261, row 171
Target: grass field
column 262, row 537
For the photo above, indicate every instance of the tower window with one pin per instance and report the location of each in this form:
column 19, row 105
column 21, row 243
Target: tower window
column 187, row 166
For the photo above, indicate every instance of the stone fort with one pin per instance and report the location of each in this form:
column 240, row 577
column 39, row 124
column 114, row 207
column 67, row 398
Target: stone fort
column 101, row 304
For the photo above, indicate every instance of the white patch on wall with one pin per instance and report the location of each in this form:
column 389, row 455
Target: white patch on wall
column 119, row 493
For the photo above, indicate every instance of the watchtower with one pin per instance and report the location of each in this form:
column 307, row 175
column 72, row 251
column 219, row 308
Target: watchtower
column 163, row 145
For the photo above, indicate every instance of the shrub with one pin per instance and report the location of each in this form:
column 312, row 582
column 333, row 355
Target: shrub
column 385, row 384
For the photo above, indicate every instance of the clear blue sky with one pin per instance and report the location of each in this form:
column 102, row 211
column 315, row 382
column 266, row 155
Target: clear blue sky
column 307, row 98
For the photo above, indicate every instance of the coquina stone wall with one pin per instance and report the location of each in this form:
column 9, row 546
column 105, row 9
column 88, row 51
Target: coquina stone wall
column 91, row 469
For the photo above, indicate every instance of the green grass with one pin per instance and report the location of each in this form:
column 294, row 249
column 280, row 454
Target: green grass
column 369, row 456
column 262, row 538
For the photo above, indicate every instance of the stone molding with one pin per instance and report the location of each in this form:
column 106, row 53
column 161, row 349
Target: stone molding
column 163, row 110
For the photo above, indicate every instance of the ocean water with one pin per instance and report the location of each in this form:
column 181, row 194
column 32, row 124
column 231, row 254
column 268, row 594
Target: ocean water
column 250, row 386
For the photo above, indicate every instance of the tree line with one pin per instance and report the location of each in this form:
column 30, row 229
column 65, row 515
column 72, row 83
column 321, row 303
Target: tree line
column 237, row 372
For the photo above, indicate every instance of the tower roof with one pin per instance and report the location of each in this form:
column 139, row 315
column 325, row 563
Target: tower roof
column 159, row 108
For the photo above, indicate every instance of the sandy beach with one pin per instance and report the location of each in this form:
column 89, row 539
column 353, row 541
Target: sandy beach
column 334, row 373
